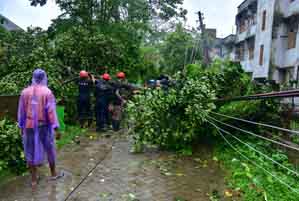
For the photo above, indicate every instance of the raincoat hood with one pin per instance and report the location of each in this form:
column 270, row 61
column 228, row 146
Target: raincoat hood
column 39, row 77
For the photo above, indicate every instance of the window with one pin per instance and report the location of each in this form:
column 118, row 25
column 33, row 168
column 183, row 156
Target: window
column 264, row 20
column 292, row 26
column 261, row 55
column 292, row 35
column 251, row 53
column 251, row 43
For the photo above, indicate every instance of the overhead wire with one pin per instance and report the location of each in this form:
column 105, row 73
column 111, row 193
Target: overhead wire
column 256, row 123
column 256, row 135
column 254, row 149
column 257, row 165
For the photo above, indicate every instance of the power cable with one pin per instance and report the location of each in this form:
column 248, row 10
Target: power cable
column 254, row 149
column 87, row 175
column 259, row 136
column 257, row 165
column 196, row 51
column 256, row 123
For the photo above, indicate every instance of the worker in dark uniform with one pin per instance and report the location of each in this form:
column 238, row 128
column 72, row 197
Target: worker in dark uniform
column 103, row 91
column 164, row 81
column 122, row 92
column 85, row 84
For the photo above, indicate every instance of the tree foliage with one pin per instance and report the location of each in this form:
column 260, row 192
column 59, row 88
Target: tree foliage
column 172, row 119
column 178, row 50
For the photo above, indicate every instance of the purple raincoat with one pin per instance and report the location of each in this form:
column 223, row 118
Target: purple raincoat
column 37, row 119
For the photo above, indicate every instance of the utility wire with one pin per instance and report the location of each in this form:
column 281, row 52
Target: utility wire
column 196, row 50
column 87, row 175
column 257, row 165
column 254, row 149
column 256, row 123
column 259, row 136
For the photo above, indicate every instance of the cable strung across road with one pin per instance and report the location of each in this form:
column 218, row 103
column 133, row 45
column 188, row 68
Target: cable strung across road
column 254, row 149
column 256, row 123
column 259, row 136
column 257, row 165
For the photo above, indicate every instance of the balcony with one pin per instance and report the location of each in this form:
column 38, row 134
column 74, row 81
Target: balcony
column 293, row 8
column 246, row 4
column 250, row 32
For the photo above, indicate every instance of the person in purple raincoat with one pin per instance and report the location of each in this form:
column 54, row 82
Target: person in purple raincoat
column 38, row 122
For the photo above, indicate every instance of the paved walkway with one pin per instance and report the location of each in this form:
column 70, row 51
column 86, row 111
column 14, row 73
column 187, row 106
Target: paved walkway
column 152, row 176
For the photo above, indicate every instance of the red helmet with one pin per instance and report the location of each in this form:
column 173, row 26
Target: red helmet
column 106, row 76
column 121, row 75
column 83, row 74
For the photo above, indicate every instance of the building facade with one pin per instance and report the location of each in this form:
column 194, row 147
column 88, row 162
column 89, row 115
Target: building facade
column 266, row 40
column 8, row 25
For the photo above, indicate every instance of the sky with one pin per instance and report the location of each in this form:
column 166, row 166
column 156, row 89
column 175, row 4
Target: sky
column 218, row 14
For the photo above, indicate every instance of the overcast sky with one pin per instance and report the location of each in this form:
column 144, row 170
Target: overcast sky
column 219, row 14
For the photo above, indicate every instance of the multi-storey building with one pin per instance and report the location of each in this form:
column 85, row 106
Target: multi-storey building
column 266, row 39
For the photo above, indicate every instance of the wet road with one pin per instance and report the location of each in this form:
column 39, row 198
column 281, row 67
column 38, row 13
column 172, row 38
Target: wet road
column 121, row 176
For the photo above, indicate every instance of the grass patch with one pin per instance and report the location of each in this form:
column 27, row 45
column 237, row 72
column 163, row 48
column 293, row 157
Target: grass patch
column 253, row 183
column 69, row 135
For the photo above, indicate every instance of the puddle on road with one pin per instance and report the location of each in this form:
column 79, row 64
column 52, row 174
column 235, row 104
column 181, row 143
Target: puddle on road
column 153, row 176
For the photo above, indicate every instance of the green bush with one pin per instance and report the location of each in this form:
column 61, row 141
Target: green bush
column 11, row 155
column 172, row 119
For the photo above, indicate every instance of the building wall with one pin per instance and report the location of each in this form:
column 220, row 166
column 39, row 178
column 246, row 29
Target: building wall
column 285, row 60
column 279, row 62
column 228, row 52
column 263, row 37
column 247, row 63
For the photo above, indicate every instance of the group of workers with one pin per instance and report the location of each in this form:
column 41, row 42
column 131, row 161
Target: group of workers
column 110, row 97
column 38, row 120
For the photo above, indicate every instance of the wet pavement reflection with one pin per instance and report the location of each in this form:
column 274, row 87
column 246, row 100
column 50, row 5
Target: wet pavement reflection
column 121, row 176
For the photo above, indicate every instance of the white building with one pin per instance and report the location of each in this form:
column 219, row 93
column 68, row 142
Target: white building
column 266, row 40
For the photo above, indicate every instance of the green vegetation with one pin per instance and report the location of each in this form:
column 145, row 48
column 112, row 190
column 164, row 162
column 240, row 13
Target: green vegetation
column 177, row 118
column 144, row 39
column 252, row 182
column 172, row 119
column 11, row 155
column 69, row 135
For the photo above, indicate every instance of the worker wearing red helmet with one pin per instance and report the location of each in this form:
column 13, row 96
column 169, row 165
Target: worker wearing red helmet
column 103, row 91
column 85, row 84
column 120, row 94
column 121, row 75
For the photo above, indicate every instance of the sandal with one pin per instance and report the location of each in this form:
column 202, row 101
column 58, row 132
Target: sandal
column 34, row 186
column 55, row 178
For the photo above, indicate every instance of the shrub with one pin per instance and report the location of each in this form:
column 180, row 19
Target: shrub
column 11, row 155
column 172, row 119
